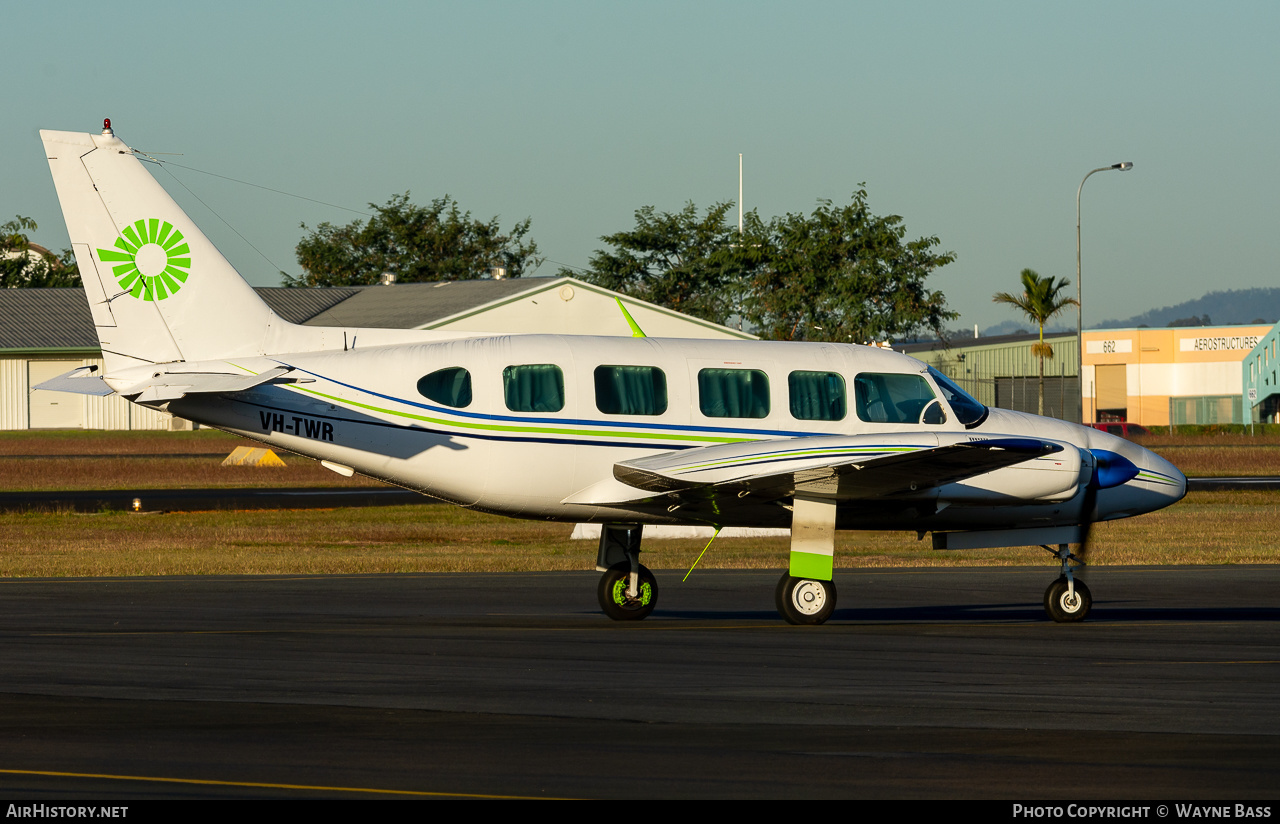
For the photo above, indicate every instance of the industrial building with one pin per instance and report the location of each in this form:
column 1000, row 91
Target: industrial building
column 1261, row 397
column 1000, row 371
column 1162, row 377
column 1152, row 377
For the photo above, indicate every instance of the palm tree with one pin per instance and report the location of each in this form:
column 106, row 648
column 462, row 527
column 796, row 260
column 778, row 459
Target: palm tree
column 1040, row 300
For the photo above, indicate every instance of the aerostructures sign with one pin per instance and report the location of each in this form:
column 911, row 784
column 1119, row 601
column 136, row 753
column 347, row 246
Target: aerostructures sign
column 1230, row 342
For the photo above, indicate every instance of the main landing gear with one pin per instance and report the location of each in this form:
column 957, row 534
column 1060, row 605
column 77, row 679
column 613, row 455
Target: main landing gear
column 623, row 599
column 1067, row 599
column 627, row 591
column 804, row 600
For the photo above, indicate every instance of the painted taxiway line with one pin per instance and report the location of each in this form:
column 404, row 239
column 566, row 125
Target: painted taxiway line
column 263, row 785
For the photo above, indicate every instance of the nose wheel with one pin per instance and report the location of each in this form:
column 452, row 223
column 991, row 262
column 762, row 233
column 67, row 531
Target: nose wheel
column 805, row 600
column 1067, row 601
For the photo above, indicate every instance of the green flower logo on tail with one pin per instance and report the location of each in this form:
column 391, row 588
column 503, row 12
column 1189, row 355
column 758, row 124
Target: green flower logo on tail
column 153, row 260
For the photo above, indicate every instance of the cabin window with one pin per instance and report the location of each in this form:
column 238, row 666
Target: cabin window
column 733, row 393
column 896, row 398
column 451, row 387
column 534, row 387
column 631, row 390
column 816, row 396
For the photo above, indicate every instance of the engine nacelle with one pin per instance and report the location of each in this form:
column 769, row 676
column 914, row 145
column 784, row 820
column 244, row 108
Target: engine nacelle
column 1047, row 479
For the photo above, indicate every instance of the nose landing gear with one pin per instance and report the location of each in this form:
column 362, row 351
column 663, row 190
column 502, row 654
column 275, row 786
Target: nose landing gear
column 1067, row 599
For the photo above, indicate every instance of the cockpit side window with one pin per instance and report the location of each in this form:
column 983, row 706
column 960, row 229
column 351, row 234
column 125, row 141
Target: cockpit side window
column 896, row 398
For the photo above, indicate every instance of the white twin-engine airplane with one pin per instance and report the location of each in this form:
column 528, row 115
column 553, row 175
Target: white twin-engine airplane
column 612, row 430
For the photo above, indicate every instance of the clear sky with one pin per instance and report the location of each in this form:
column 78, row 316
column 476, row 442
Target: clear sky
column 974, row 121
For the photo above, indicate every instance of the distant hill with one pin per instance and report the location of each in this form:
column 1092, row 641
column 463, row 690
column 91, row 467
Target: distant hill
column 1008, row 327
column 1237, row 306
column 1234, row 307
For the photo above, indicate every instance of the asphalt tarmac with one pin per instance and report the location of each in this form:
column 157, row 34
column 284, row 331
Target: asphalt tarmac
column 925, row 684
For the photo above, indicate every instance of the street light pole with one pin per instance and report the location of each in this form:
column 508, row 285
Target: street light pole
column 1119, row 167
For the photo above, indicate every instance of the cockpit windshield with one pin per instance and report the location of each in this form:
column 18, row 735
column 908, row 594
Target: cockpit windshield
column 968, row 411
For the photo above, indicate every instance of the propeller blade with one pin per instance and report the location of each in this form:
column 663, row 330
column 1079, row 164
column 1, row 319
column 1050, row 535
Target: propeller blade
column 1109, row 470
column 1087, row 507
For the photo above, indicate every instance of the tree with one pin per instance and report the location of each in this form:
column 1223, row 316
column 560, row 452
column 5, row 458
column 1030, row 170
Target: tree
column 693, row 265
column 845, row 274
column 415, row 243
column 839, row 274
column 1040, row 300
column 1195, row 321
column 24, row 264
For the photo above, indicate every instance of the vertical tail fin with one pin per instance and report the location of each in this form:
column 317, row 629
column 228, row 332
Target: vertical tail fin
column 157, row 288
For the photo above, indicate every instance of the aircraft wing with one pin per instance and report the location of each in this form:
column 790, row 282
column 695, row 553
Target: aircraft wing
column 831, row 467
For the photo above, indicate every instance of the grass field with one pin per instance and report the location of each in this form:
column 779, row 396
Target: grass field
column 1205, row 528
column 73, row 459
column 1204, row 456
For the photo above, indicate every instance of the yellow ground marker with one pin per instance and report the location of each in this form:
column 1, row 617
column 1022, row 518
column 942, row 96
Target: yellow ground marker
column 252, row 456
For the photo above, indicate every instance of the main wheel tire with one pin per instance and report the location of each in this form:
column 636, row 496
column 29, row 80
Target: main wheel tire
column 805, row 600
column 613, row 593
column 1064, row 608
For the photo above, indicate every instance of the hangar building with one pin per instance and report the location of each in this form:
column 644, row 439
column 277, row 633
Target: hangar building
column 48, row 332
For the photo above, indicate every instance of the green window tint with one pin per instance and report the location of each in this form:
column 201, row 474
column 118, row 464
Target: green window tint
column 451, row 387
column 890, row 398
column 631, row 390
column 817, row 396
column 535, row 387
column 733, row 393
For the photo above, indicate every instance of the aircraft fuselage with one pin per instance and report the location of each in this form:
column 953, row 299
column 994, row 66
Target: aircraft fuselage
column 365, row 409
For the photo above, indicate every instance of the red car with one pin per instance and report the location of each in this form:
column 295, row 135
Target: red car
column 1123, row 429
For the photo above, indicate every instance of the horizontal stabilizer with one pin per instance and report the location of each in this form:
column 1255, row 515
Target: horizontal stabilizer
column 169, row 386
column 79, row 381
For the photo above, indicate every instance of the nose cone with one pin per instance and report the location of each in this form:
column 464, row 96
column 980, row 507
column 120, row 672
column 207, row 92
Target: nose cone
column 1153, row 483
column 1161, row 477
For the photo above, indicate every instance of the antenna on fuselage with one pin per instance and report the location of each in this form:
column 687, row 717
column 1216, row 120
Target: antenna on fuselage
column 636, row 331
